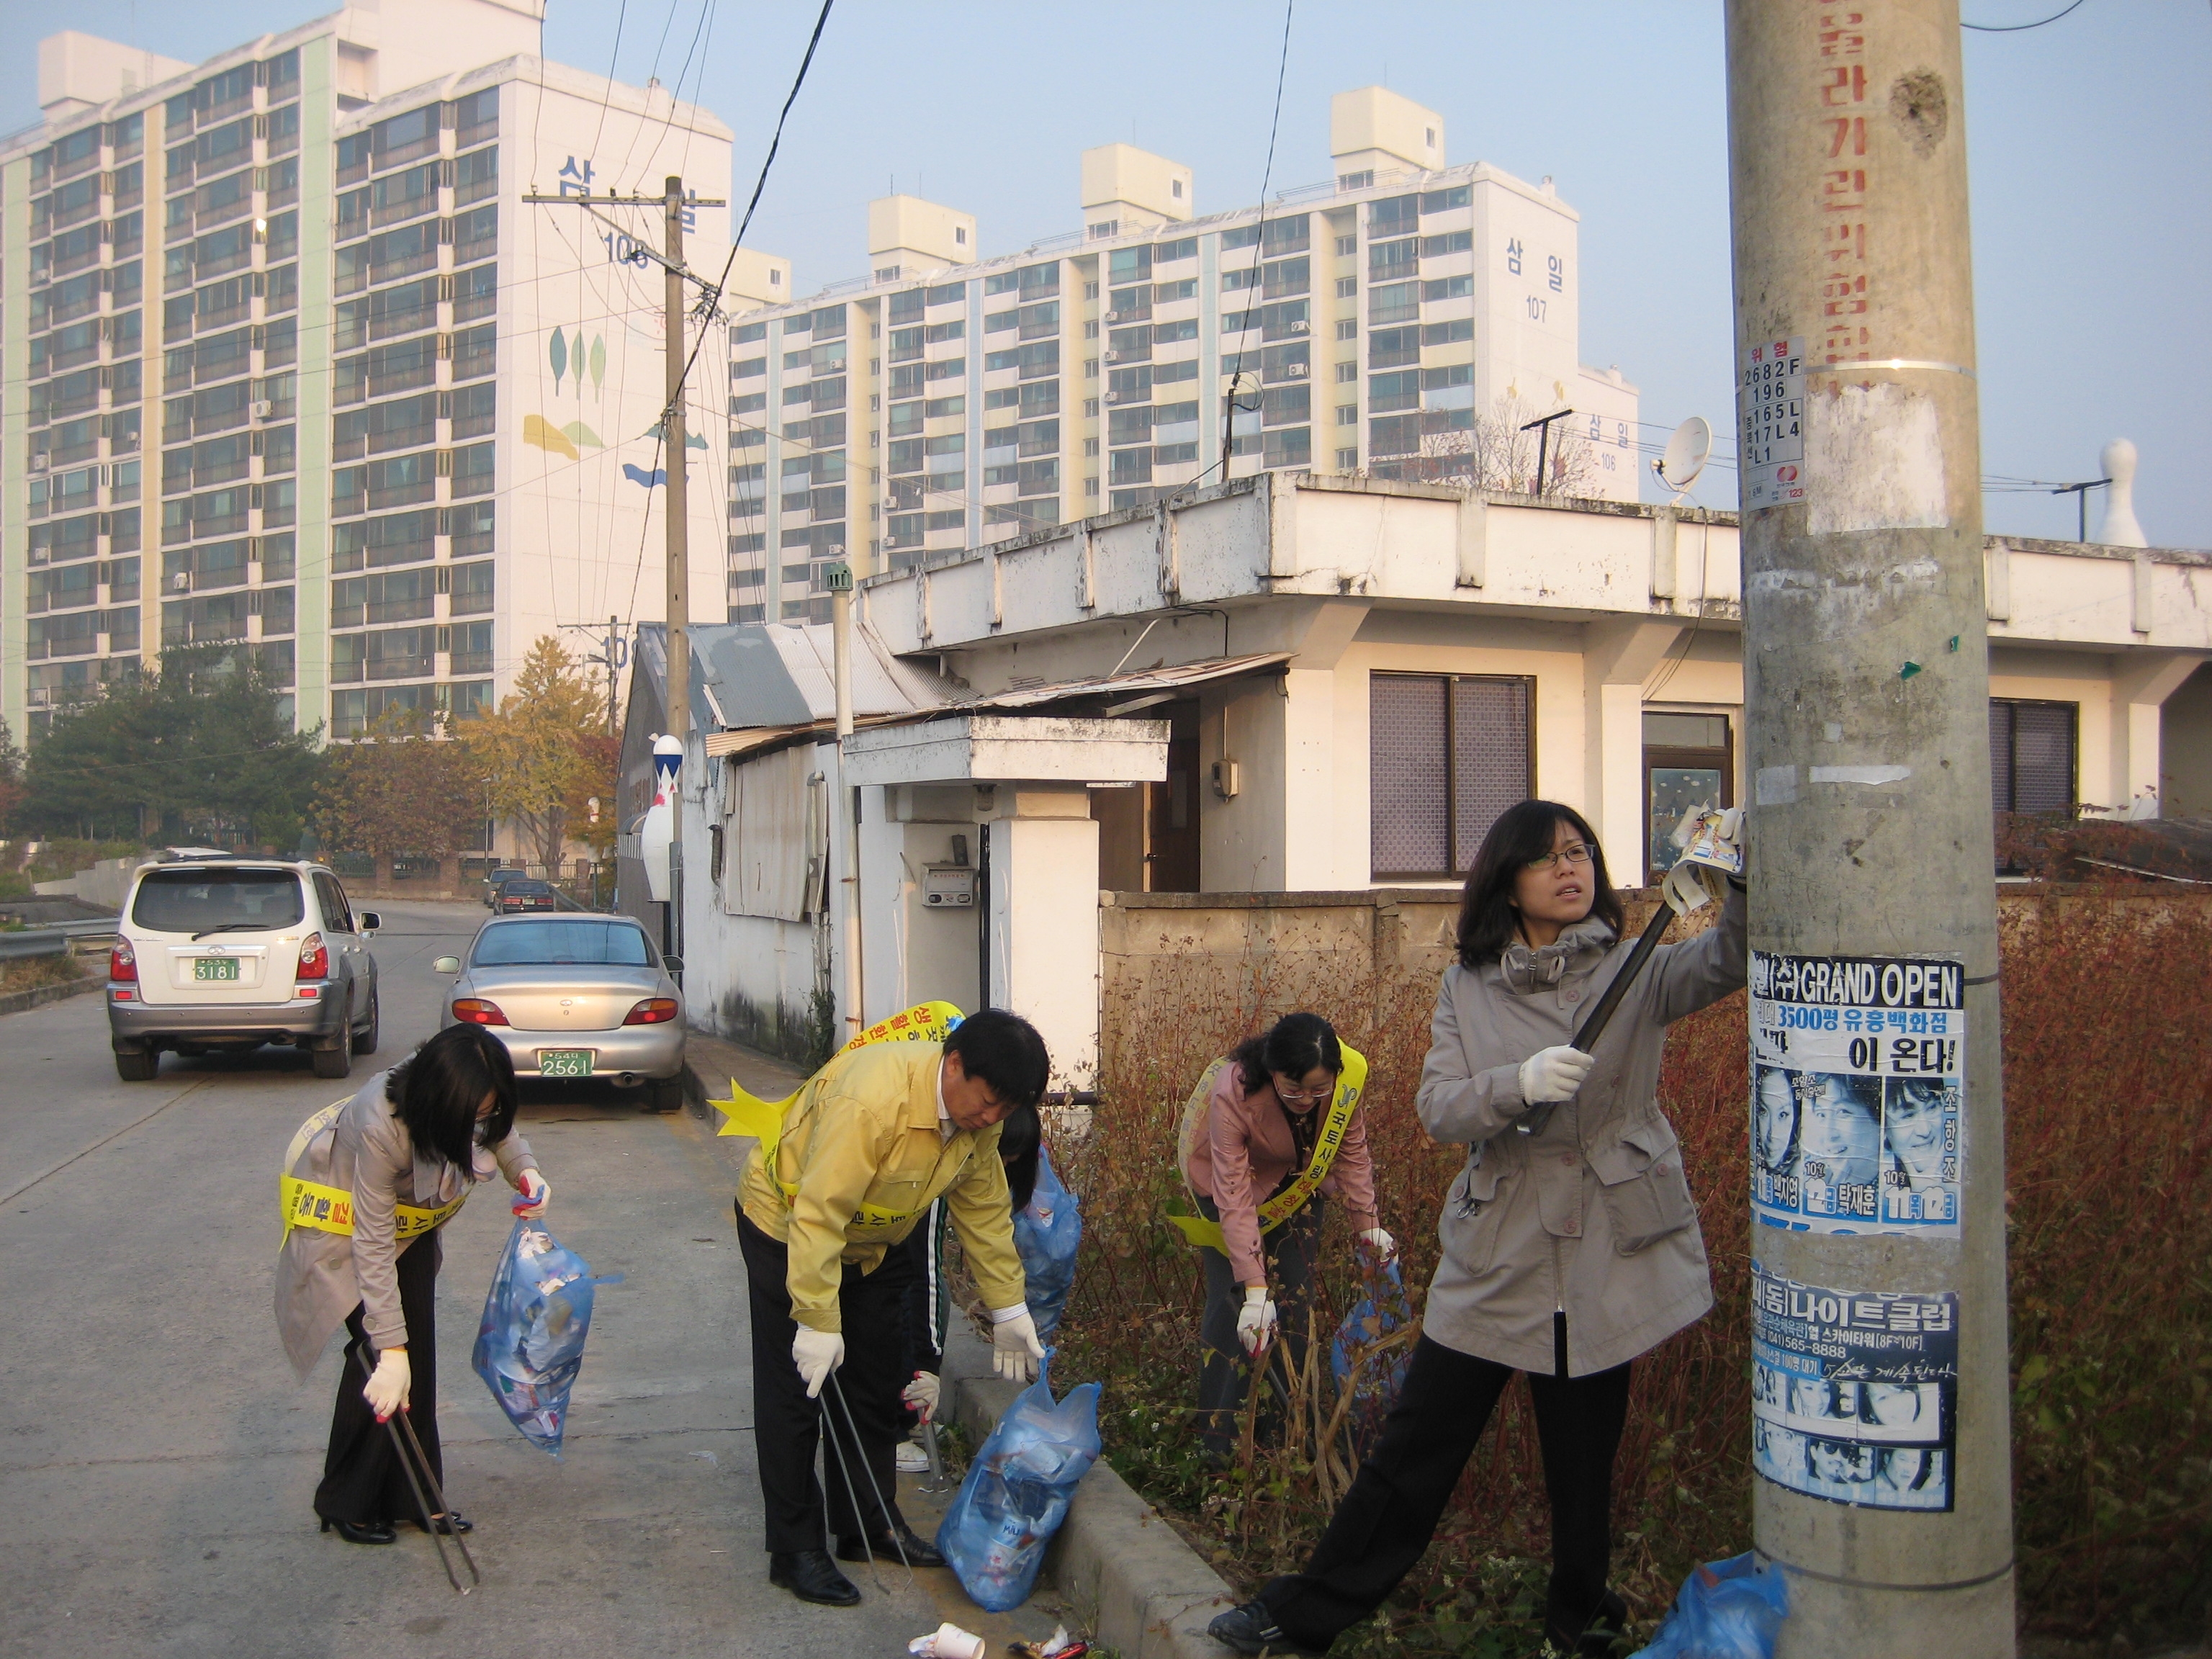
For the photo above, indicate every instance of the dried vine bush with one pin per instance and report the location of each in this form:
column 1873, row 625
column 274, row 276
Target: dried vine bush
column 2108, row 1055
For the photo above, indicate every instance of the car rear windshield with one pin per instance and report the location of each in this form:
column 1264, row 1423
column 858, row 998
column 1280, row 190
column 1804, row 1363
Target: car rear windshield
column 188, row 901
column 518, row 944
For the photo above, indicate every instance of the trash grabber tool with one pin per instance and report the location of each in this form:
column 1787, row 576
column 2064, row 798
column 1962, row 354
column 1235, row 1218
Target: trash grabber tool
column 422, row 1504
column 882, row 1502
column 852, row 1493
column 936, row 1458
column 437, row 1493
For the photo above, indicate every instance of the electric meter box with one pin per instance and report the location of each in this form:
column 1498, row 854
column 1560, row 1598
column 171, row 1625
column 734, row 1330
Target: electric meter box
column 948, row 886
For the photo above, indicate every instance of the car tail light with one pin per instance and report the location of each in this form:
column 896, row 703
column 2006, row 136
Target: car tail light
column 474, row 1011
column 314, row 959
column 123, row 963
column 653, row 1010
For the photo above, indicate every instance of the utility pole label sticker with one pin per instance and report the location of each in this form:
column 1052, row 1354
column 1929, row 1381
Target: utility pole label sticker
column 1770, row 411
column 1855, row 1396
column 1857, row 1093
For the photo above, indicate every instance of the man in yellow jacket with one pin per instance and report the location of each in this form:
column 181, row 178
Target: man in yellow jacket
column 874, row 1138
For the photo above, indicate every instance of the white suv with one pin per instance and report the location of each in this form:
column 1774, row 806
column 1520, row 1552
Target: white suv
column 233, row 952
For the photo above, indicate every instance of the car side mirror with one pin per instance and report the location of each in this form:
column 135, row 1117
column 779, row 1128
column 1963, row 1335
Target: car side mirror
column 674, row 964
column 370, row 921
column 446, row 965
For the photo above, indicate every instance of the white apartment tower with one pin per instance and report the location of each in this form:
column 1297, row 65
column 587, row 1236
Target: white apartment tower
column 1380, row 321
column 306, row 377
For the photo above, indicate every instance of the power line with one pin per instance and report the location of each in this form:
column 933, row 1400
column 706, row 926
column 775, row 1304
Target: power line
column 2016, row 29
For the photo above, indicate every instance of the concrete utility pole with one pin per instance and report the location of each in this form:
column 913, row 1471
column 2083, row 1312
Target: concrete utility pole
column 1872, row 907
column 671, row 428
column 840, row 578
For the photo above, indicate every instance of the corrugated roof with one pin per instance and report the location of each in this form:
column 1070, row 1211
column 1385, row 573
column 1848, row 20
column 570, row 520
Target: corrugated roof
column 1147, row 679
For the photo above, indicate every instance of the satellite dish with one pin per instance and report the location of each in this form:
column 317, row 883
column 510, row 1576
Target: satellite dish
column 1687, row 451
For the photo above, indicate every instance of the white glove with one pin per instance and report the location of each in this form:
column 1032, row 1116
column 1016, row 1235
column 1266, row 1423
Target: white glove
column 1256, row 1320
column 1015, row 1349
column 536, row 1193
column 1384, row 1246
column 386, row 1389
column 1553, row 1074
column 816, row 1353
column 920, row 1396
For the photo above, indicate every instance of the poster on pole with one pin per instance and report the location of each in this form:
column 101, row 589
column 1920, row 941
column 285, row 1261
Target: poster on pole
column 1770, row 403
column 1859, row 1093
column 1855, row 1396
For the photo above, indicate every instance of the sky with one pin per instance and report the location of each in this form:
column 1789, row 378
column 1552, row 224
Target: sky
column 2086, row 142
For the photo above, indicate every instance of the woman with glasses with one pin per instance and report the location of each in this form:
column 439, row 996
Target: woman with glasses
column 1570, row 1239
column 1272, row 1132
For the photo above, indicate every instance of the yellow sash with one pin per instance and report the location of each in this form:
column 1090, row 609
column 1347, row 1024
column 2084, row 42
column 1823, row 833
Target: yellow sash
column 330, row 1209
column 748, row 1114
column 1350, row 1084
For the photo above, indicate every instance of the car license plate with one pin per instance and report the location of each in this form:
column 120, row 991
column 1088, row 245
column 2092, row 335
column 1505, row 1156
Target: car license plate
column 214, row 968
column 564, row 1062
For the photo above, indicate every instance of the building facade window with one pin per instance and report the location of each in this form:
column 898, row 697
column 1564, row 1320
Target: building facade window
column 1447, row 754
column 2034, row 749
column 1689, row 761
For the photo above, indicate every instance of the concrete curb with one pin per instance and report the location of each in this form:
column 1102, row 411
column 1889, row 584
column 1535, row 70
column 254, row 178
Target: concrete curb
column 1142, row 1591
column 17, row 1002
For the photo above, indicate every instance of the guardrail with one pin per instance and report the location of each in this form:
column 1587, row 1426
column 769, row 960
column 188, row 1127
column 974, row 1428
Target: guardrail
column 52, row 941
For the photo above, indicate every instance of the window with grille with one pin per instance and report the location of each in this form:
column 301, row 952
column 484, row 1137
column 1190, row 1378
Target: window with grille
column 2032, row 755
column 1447, row 755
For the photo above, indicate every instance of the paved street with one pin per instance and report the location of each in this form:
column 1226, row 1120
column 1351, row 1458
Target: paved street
column 159, row 1459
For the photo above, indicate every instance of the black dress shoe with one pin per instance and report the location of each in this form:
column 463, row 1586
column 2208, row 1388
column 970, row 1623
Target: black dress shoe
column 1251, row 1629
column 363, row 1532
column 449, row 1522
column 1599, row 1637
column 811, row 1575
column 884, row 1548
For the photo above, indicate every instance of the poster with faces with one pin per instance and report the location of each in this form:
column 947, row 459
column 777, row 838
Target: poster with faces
column 1857, row 1093
column 1855, row 1396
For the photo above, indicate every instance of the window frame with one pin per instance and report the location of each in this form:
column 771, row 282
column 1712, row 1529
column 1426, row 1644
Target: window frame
column 2012, row 769
column 1527, row 685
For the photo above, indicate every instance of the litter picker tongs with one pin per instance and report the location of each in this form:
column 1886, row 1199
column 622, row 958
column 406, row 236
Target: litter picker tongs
column 408, row 1449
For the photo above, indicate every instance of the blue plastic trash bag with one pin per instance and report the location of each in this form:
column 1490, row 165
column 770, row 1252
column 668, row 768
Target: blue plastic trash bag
column 1047, row 1233
column 530, row 1343
column 1383, row 1310
column 1017, row 1491
column 1730, row 1609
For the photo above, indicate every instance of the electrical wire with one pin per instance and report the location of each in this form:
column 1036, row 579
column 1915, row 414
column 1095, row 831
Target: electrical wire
column 2016, row 29
column 606, row 99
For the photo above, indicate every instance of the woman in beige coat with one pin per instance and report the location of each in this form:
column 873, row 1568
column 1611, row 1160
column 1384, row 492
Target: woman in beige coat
column 1570, row 1239
column 369, row 1182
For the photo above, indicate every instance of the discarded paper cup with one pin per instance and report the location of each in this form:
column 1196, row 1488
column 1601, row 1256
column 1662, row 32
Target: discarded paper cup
column 947, row 1642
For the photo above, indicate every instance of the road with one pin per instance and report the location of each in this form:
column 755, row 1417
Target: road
column 159, row 1460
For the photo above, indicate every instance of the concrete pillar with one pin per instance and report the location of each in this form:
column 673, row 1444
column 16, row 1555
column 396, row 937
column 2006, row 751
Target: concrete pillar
column 1866, row 671
column 1044, row 921
column 2142, row 682
column 1619, row 655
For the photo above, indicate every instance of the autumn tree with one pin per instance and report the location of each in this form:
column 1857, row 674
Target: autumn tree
column 401, row 789
column 1496, row 452
column 540, row 752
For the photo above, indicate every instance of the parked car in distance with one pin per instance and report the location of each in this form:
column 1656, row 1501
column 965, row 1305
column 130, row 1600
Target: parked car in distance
column 526, row 893
column 498, row 879
column 231, row 953
column 576, row 995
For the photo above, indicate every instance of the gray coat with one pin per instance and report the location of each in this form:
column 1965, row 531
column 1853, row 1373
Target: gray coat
column 321, row 1277
column 1593, row 1216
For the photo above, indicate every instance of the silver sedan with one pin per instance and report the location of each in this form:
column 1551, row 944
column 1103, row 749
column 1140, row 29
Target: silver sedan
column 575, row 996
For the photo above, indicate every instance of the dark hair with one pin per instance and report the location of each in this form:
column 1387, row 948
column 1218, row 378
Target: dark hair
column 1019, row 1139
column 436, row 1092
column 1523, row 835
column 1293, row 1046
column 1005, row 1051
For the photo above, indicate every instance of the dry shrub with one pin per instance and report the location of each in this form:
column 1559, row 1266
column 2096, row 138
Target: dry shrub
column 2109, row 1066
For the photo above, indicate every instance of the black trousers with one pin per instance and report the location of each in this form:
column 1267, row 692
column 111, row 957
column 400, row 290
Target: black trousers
column 362, row 1478
column 1289, row 1253
column 1387, row 1518
column 928, row 1299
column 785, row 1423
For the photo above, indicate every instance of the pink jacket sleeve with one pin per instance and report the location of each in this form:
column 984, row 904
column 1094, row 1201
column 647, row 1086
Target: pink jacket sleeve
column 1228, row 1132
column 1351, row 1177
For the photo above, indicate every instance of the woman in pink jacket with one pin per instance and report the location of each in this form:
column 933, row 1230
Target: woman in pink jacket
column 1263, row 1119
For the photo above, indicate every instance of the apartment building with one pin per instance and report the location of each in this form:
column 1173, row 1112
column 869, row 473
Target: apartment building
column 1400, row 319
column 306, row 377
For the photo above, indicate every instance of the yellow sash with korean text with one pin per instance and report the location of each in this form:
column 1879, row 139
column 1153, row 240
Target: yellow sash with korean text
column 1350, row 1084
column 330, row 1209
column 748, row 1114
